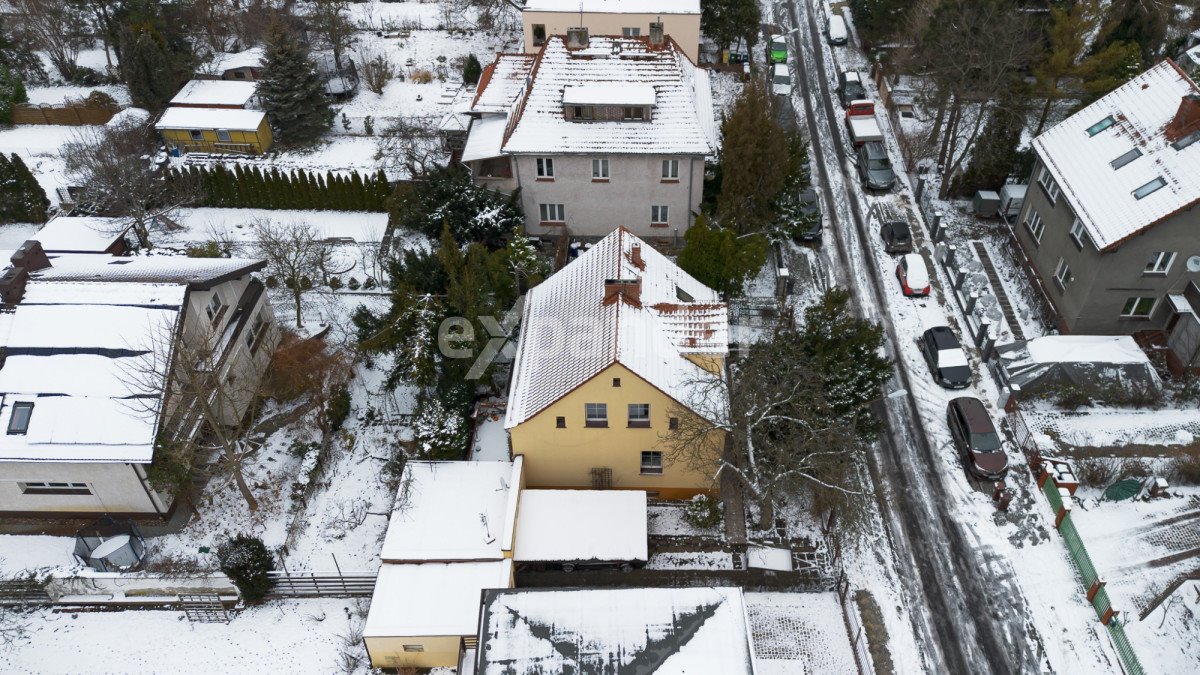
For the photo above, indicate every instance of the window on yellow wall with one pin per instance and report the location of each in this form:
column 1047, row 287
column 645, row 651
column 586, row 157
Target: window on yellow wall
column 639, row 415
column 652, row 462
column 223, row 135
column 560, row 422
column 596, row 414
column 197, row 135
column 414, row 648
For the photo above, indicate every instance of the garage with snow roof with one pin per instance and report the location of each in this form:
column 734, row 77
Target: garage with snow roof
column 581, row 528
column 1097, row 363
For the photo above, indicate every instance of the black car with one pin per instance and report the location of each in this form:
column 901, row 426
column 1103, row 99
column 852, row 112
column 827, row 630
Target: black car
column 946, row 358
column 976, row 438
column 809, row 226
column 896, row 236
column 850, row 87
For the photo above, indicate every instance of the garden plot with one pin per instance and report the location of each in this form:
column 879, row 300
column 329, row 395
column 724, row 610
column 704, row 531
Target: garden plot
column 1098, row 428
column 799, row 632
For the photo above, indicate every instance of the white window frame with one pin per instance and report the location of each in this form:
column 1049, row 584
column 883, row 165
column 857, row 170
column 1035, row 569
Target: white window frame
column 600, row 169
column 670, row 169
column 1062, row 273
column 1035, row 225
column 223, row 136
column 595, row 414
column 651, row 467
column 1077, row 233
column 196, row 134
column 1160, row 263
column 547, row 210
column 1129, row 311
column 545, row 167
column 1048, row 184
column 636, row 418
column 631, row 31
column 55, row 489
column 660, row 214
column 214, row 307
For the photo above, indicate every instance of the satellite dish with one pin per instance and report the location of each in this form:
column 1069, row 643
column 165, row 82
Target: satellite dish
column 1193, row 263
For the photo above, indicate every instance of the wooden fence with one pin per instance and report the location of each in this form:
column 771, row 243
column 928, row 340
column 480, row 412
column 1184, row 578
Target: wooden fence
column 68, row 114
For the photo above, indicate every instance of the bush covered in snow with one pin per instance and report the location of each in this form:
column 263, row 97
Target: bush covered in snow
column 447, row 197
column 246, row 561
column 704, row 511
column 440, row 431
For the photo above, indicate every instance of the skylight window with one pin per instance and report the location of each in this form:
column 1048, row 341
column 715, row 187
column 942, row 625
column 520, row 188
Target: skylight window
column 683, row 295
column 1101, row 125
column 19, row 422
column 1126, row 158
column 1149, row 188
column 1186, row 140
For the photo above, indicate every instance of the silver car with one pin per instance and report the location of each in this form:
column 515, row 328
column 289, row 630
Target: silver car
column 874, row 166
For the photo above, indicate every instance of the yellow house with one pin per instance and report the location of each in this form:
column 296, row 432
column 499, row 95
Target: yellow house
column 220, row 130
column 629, row 18
column 615, row 350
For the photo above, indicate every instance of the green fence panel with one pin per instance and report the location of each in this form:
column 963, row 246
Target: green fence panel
column 1101, row 602
column 1125, row 650
column 1051, row 490
column 1079, row 553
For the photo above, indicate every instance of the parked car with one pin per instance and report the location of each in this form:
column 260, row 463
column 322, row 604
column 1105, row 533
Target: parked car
column 913, row 275
column 779, row 50
column 975, row 437
column 874, row 167
column 861, row 124
column 835, row 30
column 781, row 79
column 893, row 227
column 810, row 208
column 946, row 358
column 850, row 87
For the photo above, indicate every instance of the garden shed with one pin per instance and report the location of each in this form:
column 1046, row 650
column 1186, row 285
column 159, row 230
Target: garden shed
column 1089, row 362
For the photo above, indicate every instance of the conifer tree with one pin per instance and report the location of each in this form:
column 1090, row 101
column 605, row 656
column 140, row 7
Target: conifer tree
column 241, row 181
column 292, row 93
column 32, row 202
column 360, row 193
column 381, row 192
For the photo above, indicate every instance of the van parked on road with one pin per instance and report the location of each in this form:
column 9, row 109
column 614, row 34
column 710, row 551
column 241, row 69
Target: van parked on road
column 835, row 30
column 779, row 50
column 781, row 79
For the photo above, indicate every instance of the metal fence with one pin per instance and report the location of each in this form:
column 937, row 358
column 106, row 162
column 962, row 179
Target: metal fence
column 321, row 585
column 1087, row 572
column 854, row 628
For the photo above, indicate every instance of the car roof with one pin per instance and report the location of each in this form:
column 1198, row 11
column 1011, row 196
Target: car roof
column 780, row 68
column 852, row 76
column 875, row 149
column 976, row 415
column 943, row 337
column 914, row 261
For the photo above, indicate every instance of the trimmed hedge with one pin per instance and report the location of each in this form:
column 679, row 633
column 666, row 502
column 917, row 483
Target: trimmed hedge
column 243, row 187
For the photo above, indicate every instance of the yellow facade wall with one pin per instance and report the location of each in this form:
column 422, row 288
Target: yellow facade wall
column 563, row 458
column 684, row 29
column 439, row 650
column 256, row 142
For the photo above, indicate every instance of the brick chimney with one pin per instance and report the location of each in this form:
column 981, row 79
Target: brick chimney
column 656, row 34
column 635, row 257
column 30, row 256
column 12, row 286
column 577, row 38
column 627, row 290
column 1187, row 118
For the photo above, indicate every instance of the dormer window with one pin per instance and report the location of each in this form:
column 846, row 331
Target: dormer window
column 683, row 295
column 1101, row 125
column 636, row 112
column 585, row 112
column 1149, row 188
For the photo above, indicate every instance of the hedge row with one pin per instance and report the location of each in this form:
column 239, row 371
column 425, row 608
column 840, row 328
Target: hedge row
column 251, row 187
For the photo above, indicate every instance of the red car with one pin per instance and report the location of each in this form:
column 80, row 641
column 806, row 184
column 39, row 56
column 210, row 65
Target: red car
column 913, row 275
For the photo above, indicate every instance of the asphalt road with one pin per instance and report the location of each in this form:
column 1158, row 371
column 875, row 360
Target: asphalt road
column 966, row 622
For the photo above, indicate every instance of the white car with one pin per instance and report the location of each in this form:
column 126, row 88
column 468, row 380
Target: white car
column 913, row 275
column 835, row 30
column 781, row 80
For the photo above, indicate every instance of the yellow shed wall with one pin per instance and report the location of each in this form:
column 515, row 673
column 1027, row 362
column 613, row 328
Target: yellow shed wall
column 563, row 458
column 388, row 652
column 683, row 28
column 260, row 140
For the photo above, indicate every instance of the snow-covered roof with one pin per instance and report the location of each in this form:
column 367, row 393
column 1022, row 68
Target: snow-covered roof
column 215, row 92
column 249, row 58
column 81, row 234
column 1090, row 361
column 569, row 333
column 485, row 137
column 433, row 599
column 198, row 273
column 608, row 94
column 1085, row 349
column 557, row 525
column 681, row 121
column 211, row 118
column 78, row 352
column 453, row 511
column 1079, row 153
column 615, row 6
column 644, row 630
column 502, row 82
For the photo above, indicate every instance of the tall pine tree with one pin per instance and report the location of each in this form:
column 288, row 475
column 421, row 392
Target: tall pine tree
column 292, row 93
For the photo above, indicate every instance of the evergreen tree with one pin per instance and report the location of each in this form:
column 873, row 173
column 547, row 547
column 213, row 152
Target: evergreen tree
column 727, row 21
column 448, row 197
column 996, row 155
column 379, row 202
column 753, row 141
column 153, row 67
column 241, row 181
column 292, row 93
column 720, row 259
column 471, row 70
column 878, row 21
column 8, row 190
column 31, row 201
column 12, row 92
column 360, row 193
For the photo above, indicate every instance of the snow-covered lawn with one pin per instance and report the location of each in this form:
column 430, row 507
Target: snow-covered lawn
column 491, row 440
column 691, row 560
column 237, row 225
column 299, row 636
column 1171, row 633
column 1112, row 427
column 799, row 633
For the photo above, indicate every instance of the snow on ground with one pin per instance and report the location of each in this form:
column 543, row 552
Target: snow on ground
column 691, row 560
column 491, row 440
column 799, row 633
column 669, row 519
column 1104, row 427
column 60, row 94
column 302, row 636
column 38, row 146
column 12, row 235
column 1172, row 632
column 204, row 224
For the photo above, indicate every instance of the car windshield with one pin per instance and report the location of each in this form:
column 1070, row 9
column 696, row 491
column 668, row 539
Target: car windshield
column 951, row 358
column 783, row 79
column 985, row 442
column 879, row 164
column 778, row 45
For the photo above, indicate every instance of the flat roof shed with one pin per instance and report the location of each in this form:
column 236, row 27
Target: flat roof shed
column 581, row 525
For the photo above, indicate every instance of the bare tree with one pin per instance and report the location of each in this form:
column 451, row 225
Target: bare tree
column 377, row 70
column 114, row 168
column 58, row 27
column 329, row 20
column 294, row 254
column 409, row 146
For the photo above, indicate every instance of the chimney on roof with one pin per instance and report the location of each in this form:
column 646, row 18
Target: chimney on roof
column 12, row 286
column 627, row 290
column 656, row 34
column 635, row 257
column 30, row 256
column 1187, row 118
column 577, row 38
